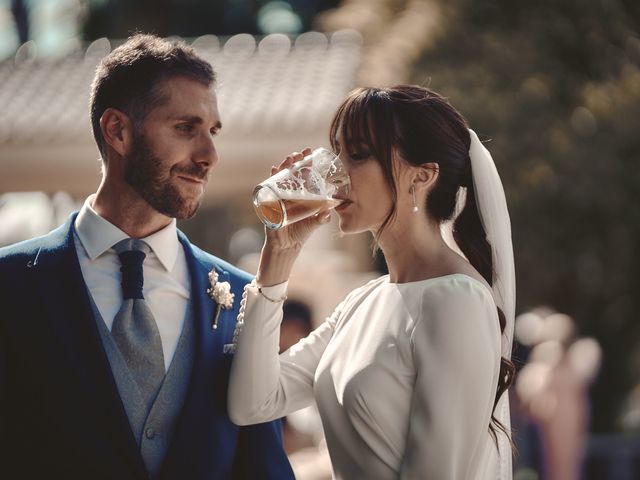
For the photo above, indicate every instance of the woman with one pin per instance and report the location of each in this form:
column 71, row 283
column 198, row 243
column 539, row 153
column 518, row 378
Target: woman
column 409, row 371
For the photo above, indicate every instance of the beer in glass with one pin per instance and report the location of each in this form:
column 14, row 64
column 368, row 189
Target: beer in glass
column 302, row 190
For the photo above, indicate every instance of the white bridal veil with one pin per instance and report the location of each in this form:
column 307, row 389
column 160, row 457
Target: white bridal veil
column 494, row 215
column 492, row 206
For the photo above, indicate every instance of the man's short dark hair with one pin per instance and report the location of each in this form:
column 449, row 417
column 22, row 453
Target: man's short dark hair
column 130, row 77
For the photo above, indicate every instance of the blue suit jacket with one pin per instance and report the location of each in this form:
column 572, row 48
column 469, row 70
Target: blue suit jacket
column 60, row 412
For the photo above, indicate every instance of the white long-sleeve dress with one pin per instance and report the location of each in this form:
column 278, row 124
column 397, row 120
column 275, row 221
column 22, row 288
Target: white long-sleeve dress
column 404, row 376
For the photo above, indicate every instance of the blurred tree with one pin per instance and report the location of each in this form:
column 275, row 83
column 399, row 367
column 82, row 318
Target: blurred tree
column 190, row 18
column 554, row 85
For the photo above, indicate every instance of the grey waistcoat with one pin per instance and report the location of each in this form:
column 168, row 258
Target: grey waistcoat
column 152, row 430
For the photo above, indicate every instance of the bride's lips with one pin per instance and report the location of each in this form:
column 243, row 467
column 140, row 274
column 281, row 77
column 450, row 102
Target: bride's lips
column 344, row 203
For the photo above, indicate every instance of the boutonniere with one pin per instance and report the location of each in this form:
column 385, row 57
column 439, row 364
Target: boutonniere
column 221, row 293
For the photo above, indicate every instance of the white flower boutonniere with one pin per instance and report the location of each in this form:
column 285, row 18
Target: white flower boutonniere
column 221, row 293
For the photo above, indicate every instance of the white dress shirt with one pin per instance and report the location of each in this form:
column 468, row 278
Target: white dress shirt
column 167, row 284
column 404, row 376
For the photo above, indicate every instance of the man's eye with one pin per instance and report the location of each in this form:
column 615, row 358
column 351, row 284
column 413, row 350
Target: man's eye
column 185, row 127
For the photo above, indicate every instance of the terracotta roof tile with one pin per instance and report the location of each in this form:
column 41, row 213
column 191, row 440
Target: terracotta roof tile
column 266, row 85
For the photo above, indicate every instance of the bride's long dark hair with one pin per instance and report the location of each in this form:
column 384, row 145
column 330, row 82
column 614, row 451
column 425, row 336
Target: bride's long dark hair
column 423, row 127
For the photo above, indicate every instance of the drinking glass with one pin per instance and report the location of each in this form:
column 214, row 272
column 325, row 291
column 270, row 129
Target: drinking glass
column 302, row 190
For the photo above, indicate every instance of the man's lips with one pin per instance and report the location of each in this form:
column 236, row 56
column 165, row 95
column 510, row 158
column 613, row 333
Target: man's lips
column 192, row 179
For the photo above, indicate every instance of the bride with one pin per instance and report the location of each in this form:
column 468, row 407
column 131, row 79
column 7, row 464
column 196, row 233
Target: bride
column 409, row 372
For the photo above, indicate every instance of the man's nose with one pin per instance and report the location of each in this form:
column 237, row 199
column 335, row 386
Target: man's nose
column 207, row 154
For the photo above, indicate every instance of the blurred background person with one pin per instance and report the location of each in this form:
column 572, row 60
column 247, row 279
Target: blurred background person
column 551, row 394
column 296, row 323
column 21, row 18
column 302, row 430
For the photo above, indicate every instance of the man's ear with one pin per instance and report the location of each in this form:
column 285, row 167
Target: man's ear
column 116, row 130
column 425, row 176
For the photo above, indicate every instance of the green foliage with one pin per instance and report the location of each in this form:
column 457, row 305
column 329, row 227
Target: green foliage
column 190, row 18
column 555, row 86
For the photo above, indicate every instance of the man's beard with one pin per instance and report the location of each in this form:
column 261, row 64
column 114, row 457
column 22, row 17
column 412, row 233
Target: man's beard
column 142, row 172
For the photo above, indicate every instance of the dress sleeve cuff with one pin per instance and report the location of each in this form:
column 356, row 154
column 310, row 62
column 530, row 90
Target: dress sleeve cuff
column 274, row 293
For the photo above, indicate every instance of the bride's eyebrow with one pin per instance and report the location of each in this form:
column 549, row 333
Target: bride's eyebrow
column 357, row 146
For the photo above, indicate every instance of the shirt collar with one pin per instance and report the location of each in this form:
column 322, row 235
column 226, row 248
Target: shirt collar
column 98, row 235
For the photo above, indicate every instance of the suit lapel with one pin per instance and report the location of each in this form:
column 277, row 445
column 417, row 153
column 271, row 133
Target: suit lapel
column 59, row 283
column 203, row 420
column 209, row 341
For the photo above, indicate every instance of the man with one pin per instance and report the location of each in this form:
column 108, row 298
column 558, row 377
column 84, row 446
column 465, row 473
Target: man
column 115, row 346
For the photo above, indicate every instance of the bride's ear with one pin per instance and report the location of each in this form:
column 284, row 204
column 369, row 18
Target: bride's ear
column 425, row 176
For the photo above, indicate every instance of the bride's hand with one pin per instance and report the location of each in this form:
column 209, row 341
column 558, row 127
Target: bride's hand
column 294, row 235
column 281, row 247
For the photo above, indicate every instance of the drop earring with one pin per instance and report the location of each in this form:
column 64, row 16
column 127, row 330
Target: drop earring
column 414, row 209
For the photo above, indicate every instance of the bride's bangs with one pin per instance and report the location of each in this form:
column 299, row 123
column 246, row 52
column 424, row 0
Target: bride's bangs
column 353, row 123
